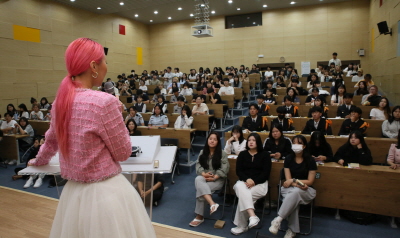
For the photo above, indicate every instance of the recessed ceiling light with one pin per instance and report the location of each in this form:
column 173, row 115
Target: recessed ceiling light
column 155, row 12
column 151, row 20
column 265, row 5
column 136, row 15
column 230, row 1
column 72, row 0
column 292, row 2
column 121, row 3
column 212, row 12
column 191, row 14
column 169, row 18
column 238, row 8
column 98, row 8
column 179, row 8
column 254, row 23
column 202, row 5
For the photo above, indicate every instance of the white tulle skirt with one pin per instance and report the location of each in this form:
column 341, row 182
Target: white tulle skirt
column 111, row 208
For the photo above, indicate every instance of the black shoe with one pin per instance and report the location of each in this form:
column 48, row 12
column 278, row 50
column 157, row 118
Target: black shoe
column 155, row 204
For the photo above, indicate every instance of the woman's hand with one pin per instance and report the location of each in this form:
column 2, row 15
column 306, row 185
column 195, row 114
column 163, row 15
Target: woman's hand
column 29, row 163
column 250, row 183
column 394, row 166
column 359, row 146
column 320, row 158
column 305, row 187
column 341, row 162
column 288, row 183
column 277, row 155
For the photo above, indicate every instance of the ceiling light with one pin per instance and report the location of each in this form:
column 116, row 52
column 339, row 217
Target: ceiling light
column 202, row 5
column 191, row 14
column 265, row 5
column 98, row 8
column 212, row 12
column 72, row 0
column 254, row 23
column 292, row 2
column 151, row 20
column 179, row 8
column 238, row 8
column 121, row 3
column 230, row 1
column 136, row 15
column 169, row 18
column 155, row 12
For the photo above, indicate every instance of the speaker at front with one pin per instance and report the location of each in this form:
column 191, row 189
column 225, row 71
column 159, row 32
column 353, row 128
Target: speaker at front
column 105, row 50
column 383, row 28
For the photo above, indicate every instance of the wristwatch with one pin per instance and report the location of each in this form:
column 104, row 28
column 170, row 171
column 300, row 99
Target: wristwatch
column 294, row 180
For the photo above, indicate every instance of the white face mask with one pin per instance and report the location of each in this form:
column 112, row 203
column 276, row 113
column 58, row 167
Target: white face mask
column 297, row 148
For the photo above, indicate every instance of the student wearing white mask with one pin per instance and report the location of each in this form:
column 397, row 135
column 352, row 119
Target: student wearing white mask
column 300, row 170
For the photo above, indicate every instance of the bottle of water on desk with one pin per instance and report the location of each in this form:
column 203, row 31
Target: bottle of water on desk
column 15, row 117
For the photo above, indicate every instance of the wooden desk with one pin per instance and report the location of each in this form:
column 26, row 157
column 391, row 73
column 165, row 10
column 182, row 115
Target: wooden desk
column 188, row 98
column 369, row 189
column 183, row 135
column 9, row 148
column 200, row 122
column 238, row 93
column 40, row 126
column 379, row 146
column 246, row 87
column 230, row 100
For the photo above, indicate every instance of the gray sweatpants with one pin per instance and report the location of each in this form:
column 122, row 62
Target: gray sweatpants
column 246, row 199
column 292, row 198
column 203, row 188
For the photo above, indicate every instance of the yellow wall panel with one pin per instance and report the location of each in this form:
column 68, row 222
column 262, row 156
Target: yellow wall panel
column 26, row 33
column 139, row 55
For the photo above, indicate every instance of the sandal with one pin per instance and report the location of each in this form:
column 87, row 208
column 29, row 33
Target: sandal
column 213, row 208
column 196, row 220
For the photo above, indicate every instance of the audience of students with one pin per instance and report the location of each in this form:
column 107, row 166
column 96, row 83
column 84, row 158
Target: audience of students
column 254, row 122
column 319, row 101
column 285, row 122
column 344, row 110
column 354, row 123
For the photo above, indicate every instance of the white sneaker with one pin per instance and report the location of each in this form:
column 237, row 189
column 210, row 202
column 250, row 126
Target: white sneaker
column 289, row 234
column 38, row 183
column 275, row 224
column 253, row 221
column 238, row 230
column 12, row 162
column 239, row 105
column 29, row 183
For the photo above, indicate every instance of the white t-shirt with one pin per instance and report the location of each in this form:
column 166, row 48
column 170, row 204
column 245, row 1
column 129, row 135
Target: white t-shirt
column 6, row 124
column 268, row 74
column 227, row 90
column 336, row 61
column 378, row 114
column 144, row 88
column 36, row 116
column 356, row 78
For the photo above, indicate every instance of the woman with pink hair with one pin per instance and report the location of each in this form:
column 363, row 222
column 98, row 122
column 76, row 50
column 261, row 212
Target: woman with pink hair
column 88, row 130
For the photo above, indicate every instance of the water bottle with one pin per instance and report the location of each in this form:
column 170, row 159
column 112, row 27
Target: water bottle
column 15, row 116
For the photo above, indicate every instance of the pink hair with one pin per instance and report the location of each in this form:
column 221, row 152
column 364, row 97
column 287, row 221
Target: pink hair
column 78, row 56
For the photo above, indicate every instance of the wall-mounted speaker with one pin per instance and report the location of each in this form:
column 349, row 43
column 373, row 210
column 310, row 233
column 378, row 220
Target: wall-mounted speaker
column 105, row 50
column 383, row 28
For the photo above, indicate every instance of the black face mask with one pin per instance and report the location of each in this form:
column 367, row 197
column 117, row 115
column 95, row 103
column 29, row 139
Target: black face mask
column 281, row 116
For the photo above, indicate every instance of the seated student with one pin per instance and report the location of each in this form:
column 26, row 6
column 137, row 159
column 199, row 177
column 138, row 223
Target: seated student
column 270, row 87
column 163, row 91
column 200, row 108
column 212, row 168
column 36, row 114
column 131, row 126
column 157, row 93
column 355, row 150
column 269, row 98
column 286, row 123
column 313, row 78
column 44, row 104
column 298, row 166
column 158, row 119
column 317, row 84
column 236, row 82
column 343, row 110
column 280, row 83
column 23, row 111
column 200, row 93
column 145, row 98
column 161, row 102
column 33, row 102
column 185, row 120
column 142, row 86
column 139, row 105
column 362, row 89
column 254, row 122
column 353, row 123
column 34, row 151
column 218, row 82
column 319, row 148
column 47, row 117
column 390, row 127
column 208, row 85
column 179, row 104
column 373, row 98
column 262, row 108
column 214, row 97
column 393, row 158
column 8, row 125
column 253, row 170
column 135, row 116
column 337, row 98
column 382, row 111
column 291, row 110
column 187, row 91
column 174, row 97
column 292, row 93
column 295, row 85
column 310, row 99
column 277, row 145
column 317, row 123
column 367, row 80
column 319, row 101
column 236, row 143
column 358, row 77
column 157, row 186
column 226, row 89
column 24, row 128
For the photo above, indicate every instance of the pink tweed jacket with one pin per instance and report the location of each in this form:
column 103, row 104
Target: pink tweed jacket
column 97, row 135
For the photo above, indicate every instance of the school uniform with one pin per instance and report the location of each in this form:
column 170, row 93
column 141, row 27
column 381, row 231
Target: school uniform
column 353, row 155
column 140, row 107
column 344, row 110
column 293, row 110
column 177, row 109
column 138, row 119
column 323, row 125
column 286, row 123
column 263, row 110
column 158, row 120
column 349, row 126
column 257, row 124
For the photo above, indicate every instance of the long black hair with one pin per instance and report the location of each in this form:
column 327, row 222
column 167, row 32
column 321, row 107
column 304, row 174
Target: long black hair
column 188, row 111
column 216, row 158
column 239, row 130
column 386, row 109
column 281, row 140
column 45, row 101
column 359, row 135
column 127, row 127
column 23, row 106
column 391, row 118
column 159, row 107
column 25, row 120
column 258, row 142
column 320, row 137
column 362, row 91
column 13, row 111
